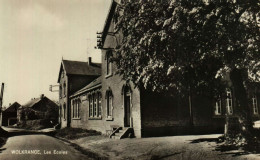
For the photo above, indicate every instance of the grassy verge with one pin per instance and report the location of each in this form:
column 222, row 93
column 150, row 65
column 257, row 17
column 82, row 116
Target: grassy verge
column 3, row 137
column 75, row 133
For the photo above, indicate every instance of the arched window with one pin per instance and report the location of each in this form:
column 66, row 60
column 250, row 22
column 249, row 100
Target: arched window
column 108, row 62
column 64, row 111
column 64, row 88
column 218, row 106
column 60, row 91
column 109, row 103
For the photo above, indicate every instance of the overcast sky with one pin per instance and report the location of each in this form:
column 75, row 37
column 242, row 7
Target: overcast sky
column 36, row 34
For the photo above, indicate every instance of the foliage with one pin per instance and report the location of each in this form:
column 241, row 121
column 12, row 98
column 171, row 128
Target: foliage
column 177, row 45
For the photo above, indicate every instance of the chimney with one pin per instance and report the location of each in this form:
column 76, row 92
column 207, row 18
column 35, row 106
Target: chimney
column 89, row 61
column 42, row 96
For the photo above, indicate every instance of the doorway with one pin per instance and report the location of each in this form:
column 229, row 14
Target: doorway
column 127, row 107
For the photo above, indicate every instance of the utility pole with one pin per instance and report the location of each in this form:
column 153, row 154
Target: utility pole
column 1, row 102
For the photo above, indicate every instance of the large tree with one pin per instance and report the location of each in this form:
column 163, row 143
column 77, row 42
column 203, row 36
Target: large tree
column 179, row 46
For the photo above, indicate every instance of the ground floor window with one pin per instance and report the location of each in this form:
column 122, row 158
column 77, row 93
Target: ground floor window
column 64, row 111
column 229, row 102
column 254, row 103
column 218, row 106
column 95, row 105
column 76, row 108
column 109, row 102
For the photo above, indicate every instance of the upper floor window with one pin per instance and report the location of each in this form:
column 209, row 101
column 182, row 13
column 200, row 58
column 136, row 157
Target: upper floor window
column 254, row 103
column 64, row 88
column 229, row 102
column 60, row 91
column 218, row 106
column 108, row 62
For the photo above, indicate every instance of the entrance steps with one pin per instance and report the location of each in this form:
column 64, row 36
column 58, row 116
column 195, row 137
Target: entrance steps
column 122, row 132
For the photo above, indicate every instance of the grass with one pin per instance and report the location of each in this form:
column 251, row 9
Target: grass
column 75, row 133
column 3, row 137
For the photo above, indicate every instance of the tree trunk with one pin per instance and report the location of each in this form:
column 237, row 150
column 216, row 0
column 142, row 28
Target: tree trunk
column 241, row 108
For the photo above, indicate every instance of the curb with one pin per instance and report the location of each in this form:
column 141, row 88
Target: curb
column 83, row 150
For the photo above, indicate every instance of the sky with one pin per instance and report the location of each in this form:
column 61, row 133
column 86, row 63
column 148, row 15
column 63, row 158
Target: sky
column 34, row 37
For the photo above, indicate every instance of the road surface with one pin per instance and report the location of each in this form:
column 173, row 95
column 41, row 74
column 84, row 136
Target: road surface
column 38, row 147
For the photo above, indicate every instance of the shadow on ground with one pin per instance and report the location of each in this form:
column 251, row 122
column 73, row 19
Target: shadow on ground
column 225, row 149
column 155, row 157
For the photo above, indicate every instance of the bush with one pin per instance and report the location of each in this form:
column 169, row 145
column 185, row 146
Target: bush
column 36, row 124
column 75, row 133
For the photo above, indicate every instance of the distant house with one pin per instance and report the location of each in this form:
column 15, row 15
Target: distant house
column 9, row 115
column 74, row 75
column 38, row 108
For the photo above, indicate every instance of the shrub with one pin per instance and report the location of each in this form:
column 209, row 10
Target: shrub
column 75, row 133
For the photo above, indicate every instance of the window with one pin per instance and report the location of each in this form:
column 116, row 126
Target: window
column 108, row 63
column 64, row 88
column 95, row 105
column 90, row 106
column 76, row 108
column 254, row 103
column 99, row 104
column 64, row 111
column 60, row 91
column 109, row 104
column 218, row 106
column 229, row 102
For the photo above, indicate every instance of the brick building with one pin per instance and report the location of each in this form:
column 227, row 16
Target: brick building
column 116, row 107
column 73, row 75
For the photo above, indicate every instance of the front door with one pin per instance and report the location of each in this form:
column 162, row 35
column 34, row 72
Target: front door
column 127, row 109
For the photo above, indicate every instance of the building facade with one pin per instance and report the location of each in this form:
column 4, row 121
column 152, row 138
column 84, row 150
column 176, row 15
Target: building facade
column 73, row 75
column 9, row 116
column 116, row 107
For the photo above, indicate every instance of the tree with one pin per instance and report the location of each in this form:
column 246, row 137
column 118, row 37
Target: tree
column 179, row 46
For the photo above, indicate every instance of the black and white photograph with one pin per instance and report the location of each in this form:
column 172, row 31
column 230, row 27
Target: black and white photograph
column 129, row 79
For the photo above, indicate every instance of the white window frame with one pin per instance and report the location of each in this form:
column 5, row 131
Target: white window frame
column 218, row 105
column 99, row 104
column 108, row 63
column 229, row 103
column 254, row 104
column 91, row 106
column 109, row 103
column 95, row 107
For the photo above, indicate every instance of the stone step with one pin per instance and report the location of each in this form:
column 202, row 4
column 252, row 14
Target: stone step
column 115, row 137
column 118, row 134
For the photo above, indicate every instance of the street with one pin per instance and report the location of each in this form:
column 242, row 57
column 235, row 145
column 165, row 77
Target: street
column 40, row 147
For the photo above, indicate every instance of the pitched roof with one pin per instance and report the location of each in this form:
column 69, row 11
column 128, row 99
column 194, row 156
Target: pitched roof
column 80, row 68
column 32, row 102
column 92, row 85
column 13, row 107
column 108, row 20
